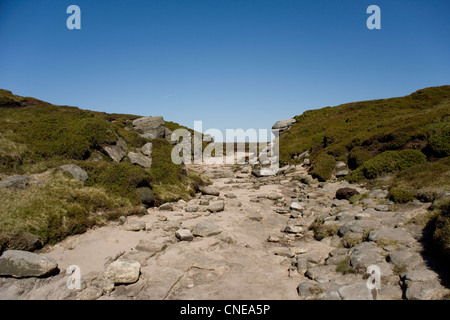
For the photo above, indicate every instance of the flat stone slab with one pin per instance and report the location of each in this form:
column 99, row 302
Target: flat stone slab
column 206, row 229
column 76, row 172
column 21, row 264
column 393, row 235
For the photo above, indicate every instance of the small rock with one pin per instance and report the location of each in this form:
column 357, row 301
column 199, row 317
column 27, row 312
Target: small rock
column 284, row 252
column 206, row 229
column 230, row 196
column 382, row 207
column 184, row 235
column 204, row 202
column 90, row 293
column 296, row 206
column 15, row 182
column 355, row 291
column 341, row 173
column 191, row 209
column 147, row 149
column 404, row 259
column 115, row 152
column 146, row 195
column 209, row 190
column 134, row 226
column 293, row 229
column 149, row 246
column 139, row 159
column 275, row 237
column 363, row 216
column 166, row 207
column 274, row 196
column 255, row 217
column 75, row 171
column 216, row 206
column 346, row 193
column 123, row 271
column 429, row 290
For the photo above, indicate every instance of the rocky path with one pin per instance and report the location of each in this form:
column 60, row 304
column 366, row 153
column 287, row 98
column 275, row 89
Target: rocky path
column 247, row 238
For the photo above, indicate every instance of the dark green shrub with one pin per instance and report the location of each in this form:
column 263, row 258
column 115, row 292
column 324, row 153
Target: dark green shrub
column 439, row 143
column 399, row 195
column 323, row 166
column 357, row 157
column 441, row 233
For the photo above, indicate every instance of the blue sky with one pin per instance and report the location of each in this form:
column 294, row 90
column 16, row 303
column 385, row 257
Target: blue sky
column 230, row 63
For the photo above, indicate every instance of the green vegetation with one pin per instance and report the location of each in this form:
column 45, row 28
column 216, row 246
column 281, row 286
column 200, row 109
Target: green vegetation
column 344, row 266
column 322, row 231
column 406, row 138
column 36, row 137
column 398, row 195
column 441, row 223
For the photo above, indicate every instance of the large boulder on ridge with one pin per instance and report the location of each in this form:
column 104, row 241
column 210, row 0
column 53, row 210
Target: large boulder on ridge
column 150, row 127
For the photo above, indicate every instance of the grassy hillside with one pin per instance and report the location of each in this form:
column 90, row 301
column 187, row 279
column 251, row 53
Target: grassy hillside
column 399, row 143
column 37, row 137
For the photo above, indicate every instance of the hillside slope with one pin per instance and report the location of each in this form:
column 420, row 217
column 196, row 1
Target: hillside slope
column 402, row 144
column 37, row 138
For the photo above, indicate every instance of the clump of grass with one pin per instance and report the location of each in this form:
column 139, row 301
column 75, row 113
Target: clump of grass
column 349, row 241
column 439, row 143
column 358, row 197
column 388, row 161
column 399, row 195
column 57, row 207
column 344, row 266
column 322, row 231
column 323, row 166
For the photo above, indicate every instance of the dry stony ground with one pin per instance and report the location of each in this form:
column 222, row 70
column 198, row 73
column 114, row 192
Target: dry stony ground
column 258, row 247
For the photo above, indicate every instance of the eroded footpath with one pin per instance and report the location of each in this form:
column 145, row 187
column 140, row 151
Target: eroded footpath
column 247, row 238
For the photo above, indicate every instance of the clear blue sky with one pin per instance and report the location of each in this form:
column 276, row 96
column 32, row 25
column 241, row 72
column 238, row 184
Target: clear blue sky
column 231, row 63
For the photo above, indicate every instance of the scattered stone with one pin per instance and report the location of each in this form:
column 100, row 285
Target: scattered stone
column 296, row 206
column 293, row 229
column 404, row 259
column 216, row 206
column 139, row 159
column 146, row 195
column 391, row 236
column 122, row 220
column 284, row 252
column 191, row 209
column 147, row 149
column 341, row 173
column 358, row 226
column 115, row 152
column 332, row 295
column 420, row 275
column 382, row 207
column 340, row 165
column 230, row 196
column 361, row 260
column 75, row 171
column 149, row 246
column 209, row 190
column 274, row 196
column 166, row 207
column 123, row 271
column 283, row 125
column 184, row 235
column 206, row 229
column 263, row 172
column 363, row 216
column 428, row 290
column 275, row 237
column 255, row 217
column 152, row 127
column 346, row 193
column 355, row 291
column 15, row 182
column 204, row 202
column 21, row 264
column 282, row 210
column 90, row 293
column 134, row 226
